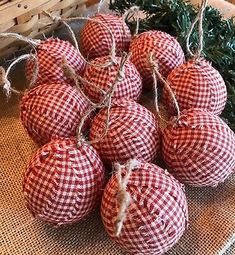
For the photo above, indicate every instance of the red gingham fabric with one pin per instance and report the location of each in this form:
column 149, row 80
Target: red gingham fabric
column 133, row 133
column 197, row 85
column 130, row 87
column 200, row 149
column 157, row 215
column 165, row 48
column 96, row 40
column 49, row 54
column 63, row 183
column 52, row 111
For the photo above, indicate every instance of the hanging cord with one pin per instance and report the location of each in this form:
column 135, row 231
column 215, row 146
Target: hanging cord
column 112, row 54
column 199, row 19
column 124, row 197
column 156, row 74
column 106, row 102
column 32, row 42
column 134, row 10
column 4, row 80
column 100, row 5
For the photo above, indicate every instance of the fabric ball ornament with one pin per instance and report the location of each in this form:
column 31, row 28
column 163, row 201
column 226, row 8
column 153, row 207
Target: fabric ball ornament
column 197, row 84
column 63, row 182
column 199, row 149
column 129, row 87
column 133, row 132
column 52, row 111
column 165, row 48
column 49, row 57
column 157, row 214
column 96, row 40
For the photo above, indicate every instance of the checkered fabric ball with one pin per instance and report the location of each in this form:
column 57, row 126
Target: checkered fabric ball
column 52, row 111
column 103, row 78
column 96, row 41
column 133, row 132
column 199, row 149
column 63, row 183
column 49, row 54
column 165, row 48
column 197, row 84
column 157, row 215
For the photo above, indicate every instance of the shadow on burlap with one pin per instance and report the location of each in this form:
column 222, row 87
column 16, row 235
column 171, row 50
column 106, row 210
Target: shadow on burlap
column 211, row 210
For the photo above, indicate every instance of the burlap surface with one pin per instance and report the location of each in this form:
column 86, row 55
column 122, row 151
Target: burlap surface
column 211, row 210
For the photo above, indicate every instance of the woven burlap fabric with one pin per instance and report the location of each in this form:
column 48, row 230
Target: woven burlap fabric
column 211, row 210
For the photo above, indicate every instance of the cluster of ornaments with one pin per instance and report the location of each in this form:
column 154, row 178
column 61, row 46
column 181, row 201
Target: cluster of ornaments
column 65, row 179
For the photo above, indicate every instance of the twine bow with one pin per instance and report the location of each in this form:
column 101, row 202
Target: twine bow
column 124, row 197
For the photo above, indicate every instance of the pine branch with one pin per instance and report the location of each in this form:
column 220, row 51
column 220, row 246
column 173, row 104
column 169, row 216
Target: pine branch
column 175, row 17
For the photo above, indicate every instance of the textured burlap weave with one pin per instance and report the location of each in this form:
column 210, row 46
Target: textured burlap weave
column 211, row 210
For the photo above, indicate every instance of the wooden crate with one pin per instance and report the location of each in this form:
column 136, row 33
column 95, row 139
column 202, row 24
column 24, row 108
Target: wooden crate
column 25, row 17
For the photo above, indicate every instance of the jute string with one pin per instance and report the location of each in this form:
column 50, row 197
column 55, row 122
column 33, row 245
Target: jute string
column 106, row 102
column 133, row 11
column 157, row 75
column 4, row 81
column 100, row 5
column 112, row 54
column 124, row 197
column 32, row 42
column 199, row 19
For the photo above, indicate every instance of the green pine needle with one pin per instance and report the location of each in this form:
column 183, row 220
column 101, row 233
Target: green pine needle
column 175, row 17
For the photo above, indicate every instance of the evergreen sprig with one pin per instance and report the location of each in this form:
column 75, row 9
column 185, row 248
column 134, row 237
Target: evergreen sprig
column 175, row 18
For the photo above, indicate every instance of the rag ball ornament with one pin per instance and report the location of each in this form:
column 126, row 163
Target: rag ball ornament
column 52, row 111
column 165, row 48
column 144, row 209
column 196, row 84
column 96, row 40
column 132, row 132
column 49, row 55
column 199, row 148
column 102, row 78
column 63, row 182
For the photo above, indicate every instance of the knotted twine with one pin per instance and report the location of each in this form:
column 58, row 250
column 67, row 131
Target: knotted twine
column 34, row 43
column 4, row 80
column 199, row 19
column 105, row 103
column 156, row 74
column 133, row 11
column 124, row 196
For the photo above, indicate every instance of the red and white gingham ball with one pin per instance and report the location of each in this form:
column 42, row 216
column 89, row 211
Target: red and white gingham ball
column 165, row 48
column 157, row 215
column 199, row 149
column 63, row 183
column 133, row 133
column 129, row 87
column 52, row 111
column 49, row 55
column 96, row 40
column 197, row 84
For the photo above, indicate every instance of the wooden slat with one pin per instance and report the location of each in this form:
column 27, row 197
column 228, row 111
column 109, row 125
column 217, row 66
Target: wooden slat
column 25, row 17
